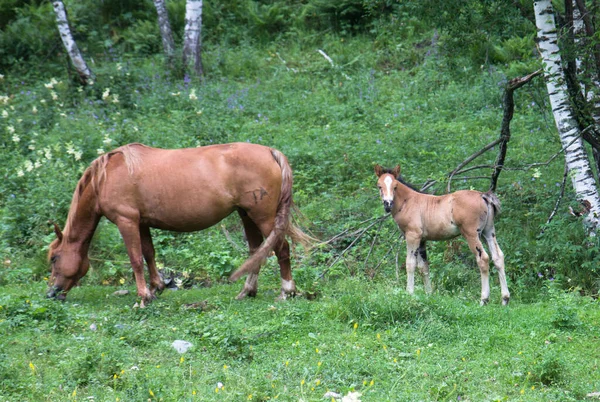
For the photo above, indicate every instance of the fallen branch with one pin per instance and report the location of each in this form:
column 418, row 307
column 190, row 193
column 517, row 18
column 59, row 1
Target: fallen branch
column 471, row 158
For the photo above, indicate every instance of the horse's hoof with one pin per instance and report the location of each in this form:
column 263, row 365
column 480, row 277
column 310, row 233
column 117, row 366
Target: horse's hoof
column 244, row 293
column 483, row 302
column 505, row 301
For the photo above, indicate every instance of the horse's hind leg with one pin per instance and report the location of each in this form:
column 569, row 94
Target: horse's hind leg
column 423, row 265
column 483, row 261
column 130, row 231
column 255, row 238
column 288, row 287
column 156, row 282
column 498, row 259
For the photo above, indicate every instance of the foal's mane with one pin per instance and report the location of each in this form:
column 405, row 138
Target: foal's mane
column 403, row 181
column 96, row 172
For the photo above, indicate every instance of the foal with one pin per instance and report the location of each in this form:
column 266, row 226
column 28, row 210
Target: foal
column 425, row 217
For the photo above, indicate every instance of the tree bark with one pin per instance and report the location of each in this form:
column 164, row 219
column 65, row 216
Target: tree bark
column 165, row 30
column 192, row 57
column 62, row 21
column 578, row 164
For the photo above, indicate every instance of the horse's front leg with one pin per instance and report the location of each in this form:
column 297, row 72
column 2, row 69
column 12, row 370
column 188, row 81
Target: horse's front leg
column 423, row 265
column 131, row 236
column 412, row 251
column 156, row 282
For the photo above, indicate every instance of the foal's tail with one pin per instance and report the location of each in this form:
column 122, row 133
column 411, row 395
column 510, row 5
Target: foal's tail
column 492, row 200
column 283, row 224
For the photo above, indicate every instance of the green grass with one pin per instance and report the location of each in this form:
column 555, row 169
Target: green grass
column 368, row 336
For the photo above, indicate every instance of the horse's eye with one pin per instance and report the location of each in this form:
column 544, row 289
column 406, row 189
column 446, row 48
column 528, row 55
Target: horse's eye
column 53, row 259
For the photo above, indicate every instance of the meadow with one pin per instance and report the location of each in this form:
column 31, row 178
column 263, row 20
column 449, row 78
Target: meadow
column 354, row 329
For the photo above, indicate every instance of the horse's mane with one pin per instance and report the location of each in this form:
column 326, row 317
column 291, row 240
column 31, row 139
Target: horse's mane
column 410, row 185
column 96, row 172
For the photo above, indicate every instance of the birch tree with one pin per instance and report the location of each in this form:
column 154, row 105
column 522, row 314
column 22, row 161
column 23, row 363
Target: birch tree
column 577, row 161
column 85, row 74
column 165, row 30
column 192, row 58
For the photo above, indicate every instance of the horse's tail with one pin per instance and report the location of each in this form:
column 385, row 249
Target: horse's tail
column 282, row 226
column 492, row 200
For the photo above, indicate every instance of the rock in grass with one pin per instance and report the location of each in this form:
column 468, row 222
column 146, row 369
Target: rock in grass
column 93, row 327
column 181, row 346
column 121, row 292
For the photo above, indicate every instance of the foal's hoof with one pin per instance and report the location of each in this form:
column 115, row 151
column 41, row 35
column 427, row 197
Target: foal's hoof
column 246, row 292
column 483, row 302
column 284, row 295
column 505, row 301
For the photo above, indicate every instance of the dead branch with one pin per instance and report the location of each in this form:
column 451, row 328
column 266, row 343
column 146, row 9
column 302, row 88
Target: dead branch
column 558, row 200
column 471, row 158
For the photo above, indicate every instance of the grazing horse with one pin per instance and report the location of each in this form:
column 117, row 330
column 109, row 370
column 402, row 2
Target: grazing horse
column 425, row 217
column 138, row 187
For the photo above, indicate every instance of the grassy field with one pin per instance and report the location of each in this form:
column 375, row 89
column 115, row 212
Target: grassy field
column 356, row 336
column 357, row 330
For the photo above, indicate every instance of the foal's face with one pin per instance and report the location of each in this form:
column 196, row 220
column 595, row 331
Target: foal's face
column 68, row 266
column 387, row 184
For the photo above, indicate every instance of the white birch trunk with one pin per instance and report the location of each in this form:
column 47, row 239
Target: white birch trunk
column 192, row 59
column 70, row 45
column 165, row 29
column 576, row 157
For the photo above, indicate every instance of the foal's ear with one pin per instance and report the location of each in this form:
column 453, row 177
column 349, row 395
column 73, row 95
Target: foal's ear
column 378, row 170
column 58, row 232
column 396, row 171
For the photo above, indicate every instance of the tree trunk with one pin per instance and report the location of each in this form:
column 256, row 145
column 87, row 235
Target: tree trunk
column 578, row 164
column 192, row 58
column 165, row 30
column 70, row 45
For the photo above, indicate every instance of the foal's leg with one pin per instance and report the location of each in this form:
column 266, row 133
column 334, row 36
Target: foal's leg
column 483, row 261
column 156, row 282
column 498, row 258
column 423, row 265
column 254, row 238
column 412, row 251
column 130, row 231
column 288, row 287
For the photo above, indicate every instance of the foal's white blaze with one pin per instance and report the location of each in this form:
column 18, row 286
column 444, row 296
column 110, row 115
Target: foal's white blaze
column 388, row 194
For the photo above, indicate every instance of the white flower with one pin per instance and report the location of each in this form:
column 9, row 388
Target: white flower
column 16, row 138
column 115, row 98
column 119, row 67
column 99, row 151
column 4, row 99
column 20, row 173
column 49, row 85
column 175, row 93
column 34, row 110
column 536, row 173
column 193, row 94
column 1, row 77
column 28, row 165
column 4, row 114
column 37, row 164
column 77, row 155
column 54, row 95
column 106, row 140
column 31, row 147
column 136, row 129
column 47, row 153
column 91, row 82
column 106, row 94
column 42, row 100
column 70, row 148
column 199, row 112
column 10, row 129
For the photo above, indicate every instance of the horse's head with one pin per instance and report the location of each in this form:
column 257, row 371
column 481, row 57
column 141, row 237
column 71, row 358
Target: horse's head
column 387, row 184
column 69, row 263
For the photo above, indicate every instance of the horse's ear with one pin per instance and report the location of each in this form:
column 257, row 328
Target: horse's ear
column 378, row 170
column 396, row 171
column 58, row 232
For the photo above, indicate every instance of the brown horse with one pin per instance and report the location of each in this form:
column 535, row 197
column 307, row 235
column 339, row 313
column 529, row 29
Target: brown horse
column 425, row 217
column 138, row 187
